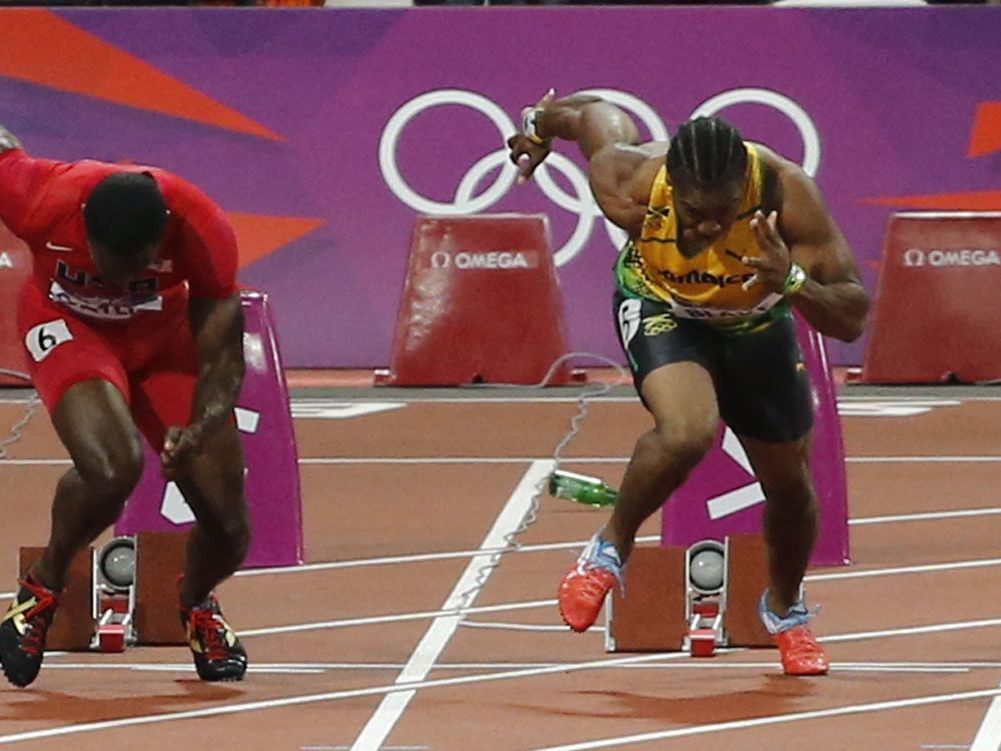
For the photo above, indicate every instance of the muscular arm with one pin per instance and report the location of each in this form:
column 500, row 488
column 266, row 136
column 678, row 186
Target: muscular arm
column 608, row 138
column 833, row 299
column 217, row 326
column 592, row 123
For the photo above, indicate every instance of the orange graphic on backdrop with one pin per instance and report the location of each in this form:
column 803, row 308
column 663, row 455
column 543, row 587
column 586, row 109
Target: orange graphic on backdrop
column 985, row 138
column 258, row 235
column 40, row 47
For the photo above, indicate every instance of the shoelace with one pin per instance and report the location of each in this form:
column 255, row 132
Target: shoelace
column 593, row 586
column 210, row 631
column 37, row 618
column 800, row 643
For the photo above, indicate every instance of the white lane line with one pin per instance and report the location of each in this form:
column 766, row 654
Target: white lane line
column 420, row 615
column 393, row 618
column 500, row 625
column 322, row 401
column 422, row 557
column 461, row 680
column 292, row 701
column 718, row 727
column 575, row 545
column 454, row 460
column 419, row 460
column 695, row 664
column 912, row 458
column 988, row 736
column 911, row 630
column 926, row 516
column 182, row 667
column 185, row 668
column 441, row 630
column 923, row 568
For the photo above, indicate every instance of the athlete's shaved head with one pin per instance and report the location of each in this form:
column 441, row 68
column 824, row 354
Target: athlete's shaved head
column 125, row 216
column 125, row 213
column 707, row 151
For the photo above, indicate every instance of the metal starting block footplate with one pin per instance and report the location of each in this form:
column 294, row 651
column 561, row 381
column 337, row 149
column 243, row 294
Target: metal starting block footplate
column 649, row 614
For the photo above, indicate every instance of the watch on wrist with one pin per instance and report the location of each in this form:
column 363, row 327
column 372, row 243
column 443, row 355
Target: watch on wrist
column 795, row 280
column 529, row 124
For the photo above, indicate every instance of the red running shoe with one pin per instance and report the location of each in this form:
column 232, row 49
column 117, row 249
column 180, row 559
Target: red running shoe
column 582, row 591
column 23, row 632
column 216, row 650
column 801, row 654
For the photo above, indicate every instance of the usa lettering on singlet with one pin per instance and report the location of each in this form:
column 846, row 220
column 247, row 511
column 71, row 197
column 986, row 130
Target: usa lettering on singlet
column 41, row 200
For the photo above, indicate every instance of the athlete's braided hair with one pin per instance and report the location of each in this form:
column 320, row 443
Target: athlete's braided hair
column 707, row 150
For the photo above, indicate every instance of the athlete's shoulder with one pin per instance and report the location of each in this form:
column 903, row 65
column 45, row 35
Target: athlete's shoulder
column 776, row 174
column 777, row 163
column 185, row 200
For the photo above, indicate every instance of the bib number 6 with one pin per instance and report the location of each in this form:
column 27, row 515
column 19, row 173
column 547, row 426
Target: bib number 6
column 45, row 337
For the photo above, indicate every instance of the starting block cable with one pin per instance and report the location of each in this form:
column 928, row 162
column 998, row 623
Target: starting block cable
column 14, row 434
column 587, row 395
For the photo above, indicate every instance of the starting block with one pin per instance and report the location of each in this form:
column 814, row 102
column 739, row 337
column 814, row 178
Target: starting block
column 123, row 595
column 693, row 599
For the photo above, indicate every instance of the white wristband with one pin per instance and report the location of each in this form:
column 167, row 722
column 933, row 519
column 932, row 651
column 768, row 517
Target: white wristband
column 529, row 124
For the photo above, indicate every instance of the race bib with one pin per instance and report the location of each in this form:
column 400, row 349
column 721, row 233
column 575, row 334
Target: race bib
column 42, row 339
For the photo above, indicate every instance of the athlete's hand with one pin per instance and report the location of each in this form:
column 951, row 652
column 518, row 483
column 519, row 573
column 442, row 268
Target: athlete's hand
column 527, row 153
column 180, row 445
column 772, row 268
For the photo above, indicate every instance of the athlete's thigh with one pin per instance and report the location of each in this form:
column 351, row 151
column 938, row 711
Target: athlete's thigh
column 79, row 375
column 779, row 465
column 163, row 389
column 672, row 362
column 763, row 385
column 95, row 425
column 64, row 349
column 213, row 482
column 163, row 394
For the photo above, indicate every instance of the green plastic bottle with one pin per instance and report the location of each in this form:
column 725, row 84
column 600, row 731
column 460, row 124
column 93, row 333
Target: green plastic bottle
column 581, row 489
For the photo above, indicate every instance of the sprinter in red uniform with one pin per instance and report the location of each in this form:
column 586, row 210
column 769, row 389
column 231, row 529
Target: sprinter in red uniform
column 132, row 322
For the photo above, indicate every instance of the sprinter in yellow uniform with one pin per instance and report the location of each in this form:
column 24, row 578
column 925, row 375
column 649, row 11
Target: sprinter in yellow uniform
column 725, row 237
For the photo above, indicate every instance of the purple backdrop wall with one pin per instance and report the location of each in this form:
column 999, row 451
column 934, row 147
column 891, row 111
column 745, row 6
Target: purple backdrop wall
column 883, row 103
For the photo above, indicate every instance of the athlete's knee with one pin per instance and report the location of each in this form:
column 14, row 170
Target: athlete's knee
column 234, row 532
column 685, row 440
column 791, row 496
column 241, row 534
column 790, row 478
column 113, row 474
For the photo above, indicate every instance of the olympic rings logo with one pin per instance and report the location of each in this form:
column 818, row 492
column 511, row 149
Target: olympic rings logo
column 581, row 202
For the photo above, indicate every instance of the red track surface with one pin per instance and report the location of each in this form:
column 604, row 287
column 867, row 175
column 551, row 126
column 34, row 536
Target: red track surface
column 368, row 504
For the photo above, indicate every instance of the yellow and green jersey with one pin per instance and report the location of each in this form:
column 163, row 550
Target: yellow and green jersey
column 708, row 287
